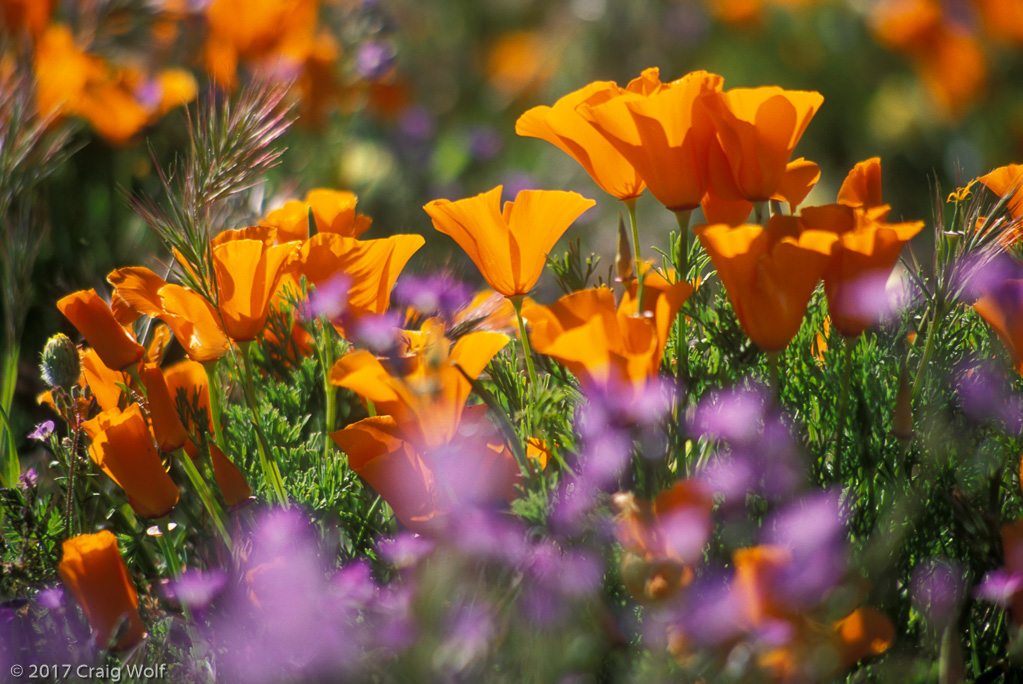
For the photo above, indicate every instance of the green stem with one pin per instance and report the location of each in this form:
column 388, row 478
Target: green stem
column 205, row 495
column 683, row 216
column 843, row 402
column 329, row 393
column 11, row 468
column 630, row 206
column 213, row 380
column 170, row 554
column 266, row 459
column 925, row 358
column 524, row 338
column 773, row 374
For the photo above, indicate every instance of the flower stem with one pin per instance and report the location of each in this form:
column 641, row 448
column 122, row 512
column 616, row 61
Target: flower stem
column 214, row 392
column 266, row 459
column 682, row 259
column 925, row 358
column 206, row 496
column 517, row 303
column 630, row 206
column 167, row 546
column 843, row 402
column 8, row 447
column 681, row 338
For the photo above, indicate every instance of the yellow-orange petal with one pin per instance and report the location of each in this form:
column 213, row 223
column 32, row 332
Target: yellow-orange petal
column 91, row 315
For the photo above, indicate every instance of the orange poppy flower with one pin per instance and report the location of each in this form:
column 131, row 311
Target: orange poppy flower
column 1002, row 308
column 123, row 448
column 428, row 397
column 863, row 633
column 88, row 312
column 92, row 568
column 664, row 135
column 263, row 33
column 1005, row 180
column 333, row 212
column 769, row 274
column 660, row 539
column 247, row 276
column 423, row 486
column 756, row 130
column 862, row 186
column 509, row 247
column 862, row 261
column 603, row 345
column 233, row 486
column 30, row 16
column 562, row 126
column 194, row 322
column 168, row 429
column 372, row 265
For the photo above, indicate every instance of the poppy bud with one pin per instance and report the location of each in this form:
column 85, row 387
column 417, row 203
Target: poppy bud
column 623, row 259
column 60, row 364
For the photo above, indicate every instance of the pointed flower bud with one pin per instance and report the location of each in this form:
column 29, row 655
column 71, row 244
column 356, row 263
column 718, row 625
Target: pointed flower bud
column 60, row 364
column 623, row 259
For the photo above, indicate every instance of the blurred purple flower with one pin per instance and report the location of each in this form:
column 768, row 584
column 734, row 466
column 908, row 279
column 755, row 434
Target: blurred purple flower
column 985, row 395
column 936, row 589
column 328, row 300
column 618, row 407
column 999, row 586
column 417, row 125
column 436, row 294
column 469, row 634
column 515, row 182
column 731, row 415
column 712, row 613
column 484, row 142
column 148, row 94
column 996, row 275
column 42, row 431
column 405, row 550
column 51, row 598
column 353, row 585
column 376, row 332
column 196, row 589
column 374, row 60
column 813, row 530
column 487, row 535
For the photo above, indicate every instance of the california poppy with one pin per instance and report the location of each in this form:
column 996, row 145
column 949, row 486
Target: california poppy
column 1002, row 307
column 604, row 345
column 192, row 319
column 663, row 135
column 509, row 247
column 168, row 429
column 428, row 396
column 861, row 261
column 1005, row 180
column 230, row 480
column 662, row 538
column 755, row 131
column 769, row 274
column 92, row 568
column 562, row 126
column 123, row 448
column 372, row 266
column 422, row 485
column 247, row 274
column 88, row 312
column 333, row 211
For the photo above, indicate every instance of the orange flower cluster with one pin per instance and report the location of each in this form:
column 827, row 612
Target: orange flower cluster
column 690, row 141
column 426, row 452
column 947, row 53
column 604, row 345
column 771, row 272
column 252, row 269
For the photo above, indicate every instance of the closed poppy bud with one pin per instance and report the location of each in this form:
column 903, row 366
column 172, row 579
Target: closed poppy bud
column 60, row 364
column 92, row 569
column 167, row 426
column 232, row 483
column 93, row 318
column 123, row 448
column 623, row 259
